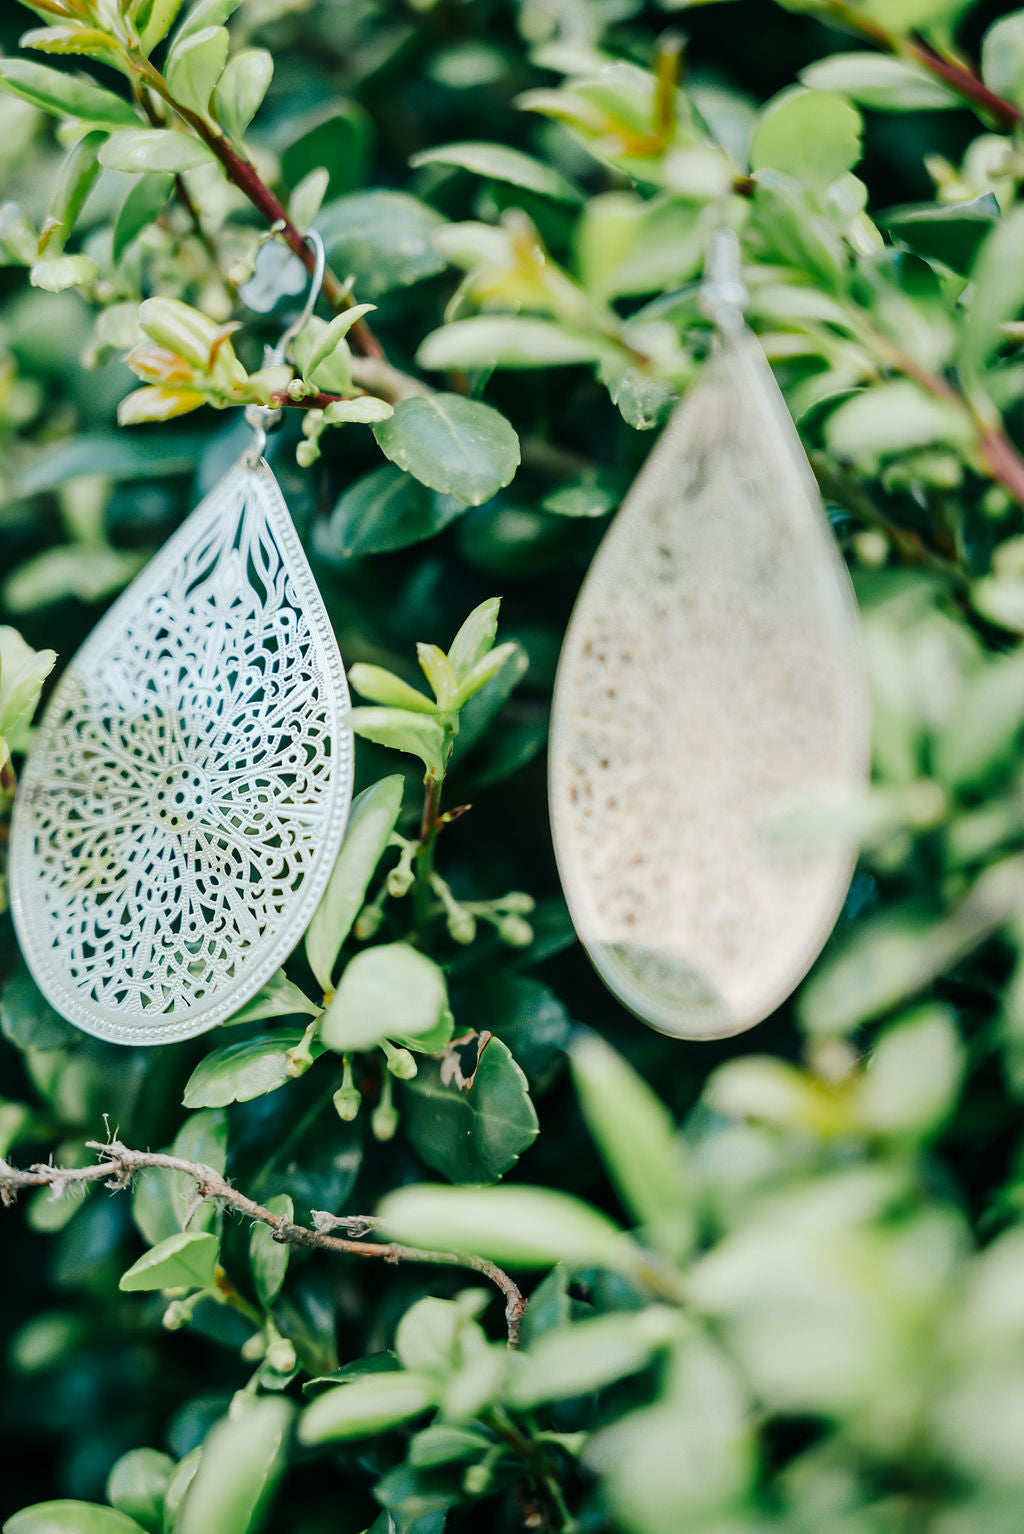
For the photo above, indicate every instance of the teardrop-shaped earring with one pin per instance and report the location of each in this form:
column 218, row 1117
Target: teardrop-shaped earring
column 187, row 792
column 710, row 680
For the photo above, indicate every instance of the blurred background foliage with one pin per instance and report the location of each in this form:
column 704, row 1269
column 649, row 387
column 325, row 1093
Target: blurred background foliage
column 819, row 1323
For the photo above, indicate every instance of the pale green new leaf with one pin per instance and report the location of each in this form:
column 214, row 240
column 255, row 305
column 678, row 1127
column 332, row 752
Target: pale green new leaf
column 195, row 64
column 243, row 1459
column 242, row 87
column 500, row 163
column 370, row 824
column 402, row 730
column 366, row 1406
column 389, row 992
column 154, row 149
column 637, row 1141
column 184, row 1261
column 514, row 1224
column 65, row 95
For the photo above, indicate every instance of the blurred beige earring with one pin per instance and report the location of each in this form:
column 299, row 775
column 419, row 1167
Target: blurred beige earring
column 710, row 682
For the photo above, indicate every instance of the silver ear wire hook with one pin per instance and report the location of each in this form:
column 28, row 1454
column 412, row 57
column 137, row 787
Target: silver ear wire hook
column 722, row 296
column 263, row 417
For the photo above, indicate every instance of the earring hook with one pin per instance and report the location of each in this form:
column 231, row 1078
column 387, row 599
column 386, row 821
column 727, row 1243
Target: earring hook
column 723, row 297
column 263, row 417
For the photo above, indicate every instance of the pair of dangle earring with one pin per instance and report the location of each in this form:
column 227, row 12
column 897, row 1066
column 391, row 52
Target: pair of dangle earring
column 186, row 795
column 710, row 682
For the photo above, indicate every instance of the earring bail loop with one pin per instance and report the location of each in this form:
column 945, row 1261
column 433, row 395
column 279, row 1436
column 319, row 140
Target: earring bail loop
column 263, row 418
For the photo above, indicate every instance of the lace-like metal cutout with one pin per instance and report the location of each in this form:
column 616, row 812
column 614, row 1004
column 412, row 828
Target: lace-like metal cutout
column 186, row 796
column 710, row 681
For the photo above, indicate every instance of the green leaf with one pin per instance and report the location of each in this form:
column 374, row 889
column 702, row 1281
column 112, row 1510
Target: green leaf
column 114, row 454
column 269, row 1258
column 997, row 291
column 797, row 232
column 241, row 89
column 384, row 239
column 910, row 1086
column 443, row 1443
column 154, row 149
column 366, row 1406
column 63, row 272
column 70, row 1518
column 244, row 1458
column 951, row 232
column 333, row 333
column 162, row 1201
column 387, row 510
column 893, row 418
column 382, row 686
column 511, row 341
column 365, row 410
column 575, row 1360
column 813, row 135
column 500, row 163
column 882, row 83
column 22, row 674
column 65, row 95
column 183, row 1261
column 154, row 19
column 635, row 1136
column 26, row 1018
column 475, row 637
column 402, row 730
column 194, row 64
column 142, row 207
column 370, row 824
column 137, row 1486
column 1002, row 57
column 75, row 182
column 239, row 1072
column 280, row 997
column 510, row 1223
column 452, row 444
column 388, row 992
column 208, row 13
column 475, row 1134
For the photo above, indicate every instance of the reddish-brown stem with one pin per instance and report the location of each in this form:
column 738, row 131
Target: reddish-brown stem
column 243, row 174
column 966, row 84
column 956, row 74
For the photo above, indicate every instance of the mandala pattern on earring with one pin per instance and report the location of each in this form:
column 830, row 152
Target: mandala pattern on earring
column 186, row 796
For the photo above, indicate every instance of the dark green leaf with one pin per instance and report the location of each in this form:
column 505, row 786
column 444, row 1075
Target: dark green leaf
column 239, row 1072
column 269, row 1258
column 382, row 238
column 455, row 445
column 387, row 510
column 474, row 1134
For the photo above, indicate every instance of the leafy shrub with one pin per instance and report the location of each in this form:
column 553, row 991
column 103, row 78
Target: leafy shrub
column 783, row 1292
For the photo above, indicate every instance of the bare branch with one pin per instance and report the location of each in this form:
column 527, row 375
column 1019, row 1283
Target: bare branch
column 122, row 1162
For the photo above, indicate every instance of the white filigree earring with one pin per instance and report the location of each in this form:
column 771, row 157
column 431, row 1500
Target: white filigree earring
column 186, row 795
column 710, row 681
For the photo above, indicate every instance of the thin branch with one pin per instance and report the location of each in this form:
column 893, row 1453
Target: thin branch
column 953, row 72
column 122, row 1163
column 242, row 173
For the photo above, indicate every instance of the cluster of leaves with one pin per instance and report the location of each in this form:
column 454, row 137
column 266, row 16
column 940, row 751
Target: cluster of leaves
column 786, row 1297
